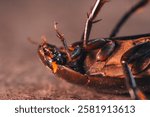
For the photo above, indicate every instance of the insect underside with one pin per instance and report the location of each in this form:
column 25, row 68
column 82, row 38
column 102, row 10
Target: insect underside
column 110, row 65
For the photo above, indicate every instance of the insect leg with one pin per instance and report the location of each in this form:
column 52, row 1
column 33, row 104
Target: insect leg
column 76, row 53
column 139, row 5
column 90, row 20
column 61, row 37
column 139, row 59
column 134, row 91
column 146, row 36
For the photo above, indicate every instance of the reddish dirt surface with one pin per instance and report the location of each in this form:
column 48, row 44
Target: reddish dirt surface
column 22, row 75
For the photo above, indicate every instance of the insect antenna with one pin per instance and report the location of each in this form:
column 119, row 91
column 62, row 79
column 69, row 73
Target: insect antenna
column 44, row 40
column 32, row 41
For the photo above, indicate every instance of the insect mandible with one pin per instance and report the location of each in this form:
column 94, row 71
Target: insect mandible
column 110, row 64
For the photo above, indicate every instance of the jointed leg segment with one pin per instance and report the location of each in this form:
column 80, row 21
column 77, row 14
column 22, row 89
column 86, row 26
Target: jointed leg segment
column 90, row 20
column 61, row 37
column 134, row 91
column 126, row 16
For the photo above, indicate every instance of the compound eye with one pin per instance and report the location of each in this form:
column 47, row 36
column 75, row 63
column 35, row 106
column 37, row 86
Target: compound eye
column 48, row 52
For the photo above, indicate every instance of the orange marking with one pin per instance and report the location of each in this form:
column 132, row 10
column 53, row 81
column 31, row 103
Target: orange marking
column 54, row 67
column 71, row 48
column 141, row 95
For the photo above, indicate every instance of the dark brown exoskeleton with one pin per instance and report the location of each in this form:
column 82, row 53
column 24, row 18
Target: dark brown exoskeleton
column 103, row 63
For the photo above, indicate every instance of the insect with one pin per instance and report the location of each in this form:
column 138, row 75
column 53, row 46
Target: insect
column 109, row 64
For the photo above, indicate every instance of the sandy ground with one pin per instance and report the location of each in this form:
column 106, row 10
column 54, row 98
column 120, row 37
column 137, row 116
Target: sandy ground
column 22, row 75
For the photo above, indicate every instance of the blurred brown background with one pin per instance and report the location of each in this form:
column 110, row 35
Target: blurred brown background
column 22, row 75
